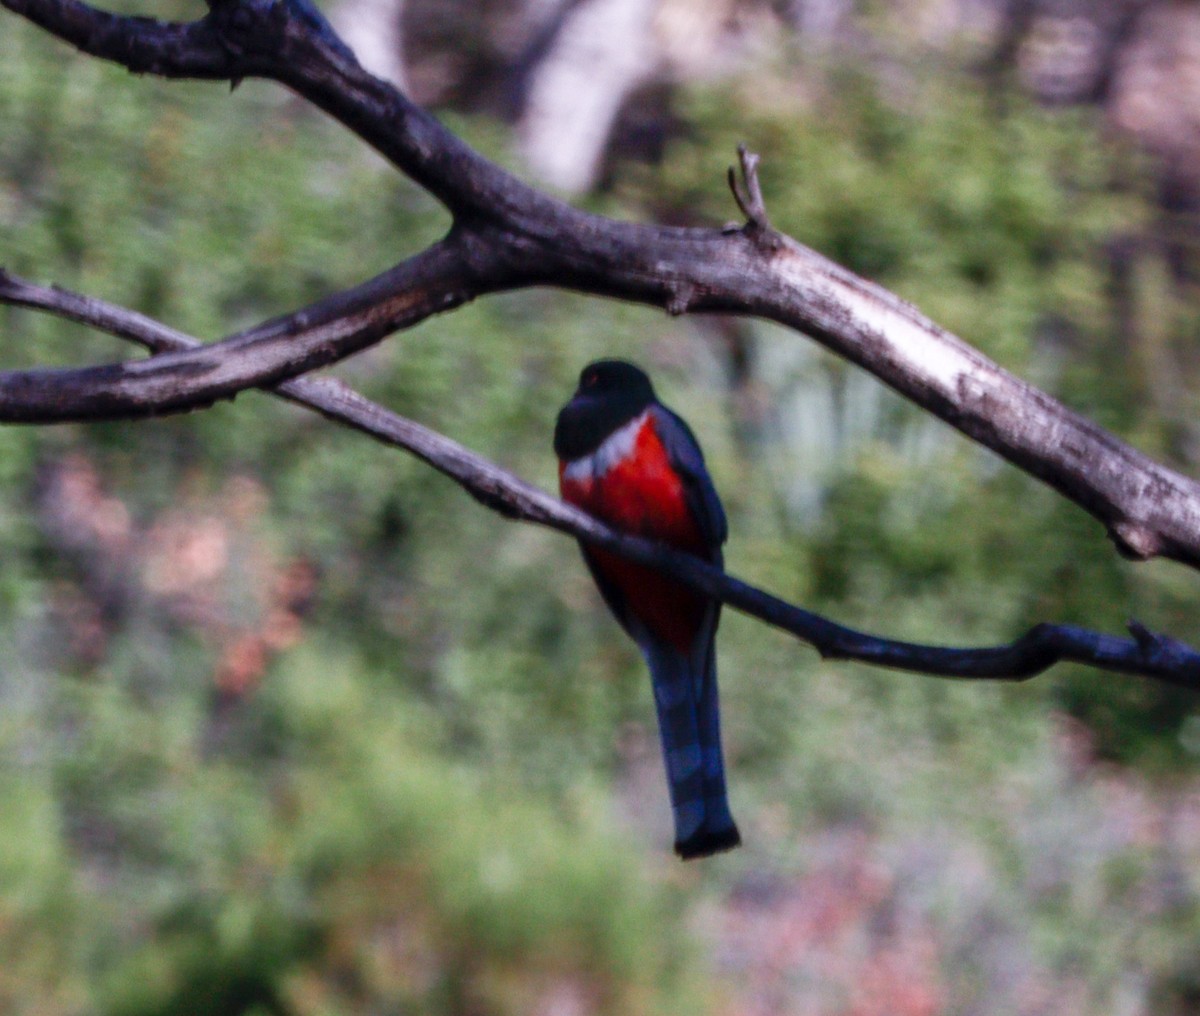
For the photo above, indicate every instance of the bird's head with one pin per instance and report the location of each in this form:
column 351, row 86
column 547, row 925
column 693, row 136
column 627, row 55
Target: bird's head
column 610, row 394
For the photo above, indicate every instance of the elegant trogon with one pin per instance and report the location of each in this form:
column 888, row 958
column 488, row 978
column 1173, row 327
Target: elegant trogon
column 627, row 459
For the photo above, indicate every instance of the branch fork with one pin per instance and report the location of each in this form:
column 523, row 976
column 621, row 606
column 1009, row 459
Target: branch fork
column 507, row 235
column 747, row 192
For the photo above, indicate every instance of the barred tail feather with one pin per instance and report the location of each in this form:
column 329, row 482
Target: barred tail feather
column 689, row 728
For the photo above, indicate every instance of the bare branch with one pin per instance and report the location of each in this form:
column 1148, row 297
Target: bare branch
column 437, row 279
column 508, row 235
column 144, row 45
column 1152, row 655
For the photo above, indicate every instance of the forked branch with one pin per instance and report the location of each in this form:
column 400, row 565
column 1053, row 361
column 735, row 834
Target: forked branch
column 507, row 235
column 1146, row 653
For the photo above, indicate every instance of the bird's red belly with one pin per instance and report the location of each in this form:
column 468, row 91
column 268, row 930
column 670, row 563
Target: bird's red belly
column 642, row 494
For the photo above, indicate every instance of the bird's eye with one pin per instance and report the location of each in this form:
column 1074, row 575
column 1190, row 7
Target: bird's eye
column 589, row 380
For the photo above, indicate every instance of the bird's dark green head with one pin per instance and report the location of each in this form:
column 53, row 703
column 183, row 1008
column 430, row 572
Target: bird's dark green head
column 610, row 394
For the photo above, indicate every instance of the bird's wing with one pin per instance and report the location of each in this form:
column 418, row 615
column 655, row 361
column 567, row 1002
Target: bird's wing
column 687, row 459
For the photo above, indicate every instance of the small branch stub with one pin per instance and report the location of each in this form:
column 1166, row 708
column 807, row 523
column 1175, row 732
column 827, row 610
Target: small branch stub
column 748, row 194
column 680, row 299
column 1134, row 541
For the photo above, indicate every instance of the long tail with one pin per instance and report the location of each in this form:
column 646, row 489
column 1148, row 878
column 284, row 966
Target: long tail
column 685, row 696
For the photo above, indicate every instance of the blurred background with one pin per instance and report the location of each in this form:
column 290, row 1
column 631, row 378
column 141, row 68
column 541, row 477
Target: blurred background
column 290, row 725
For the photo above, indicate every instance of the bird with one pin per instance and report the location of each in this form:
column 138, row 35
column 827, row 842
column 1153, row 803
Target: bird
column 631, row 462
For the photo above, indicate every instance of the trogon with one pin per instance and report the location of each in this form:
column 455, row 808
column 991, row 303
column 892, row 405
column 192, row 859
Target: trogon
column 627, row 459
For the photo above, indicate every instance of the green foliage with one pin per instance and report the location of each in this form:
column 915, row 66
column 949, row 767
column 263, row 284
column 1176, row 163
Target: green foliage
column 391, row 789
column 337, row 839
column 358, row 835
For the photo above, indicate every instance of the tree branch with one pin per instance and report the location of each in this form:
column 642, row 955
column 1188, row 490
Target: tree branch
column 1148, row 654
column 144, row 45
column 437, row 279
column 508, row 235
